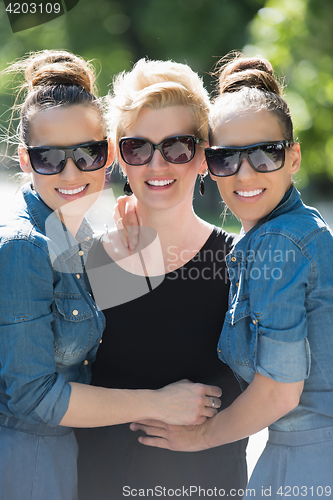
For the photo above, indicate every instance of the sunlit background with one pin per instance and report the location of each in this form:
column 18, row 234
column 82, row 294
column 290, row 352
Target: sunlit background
column 295, row 35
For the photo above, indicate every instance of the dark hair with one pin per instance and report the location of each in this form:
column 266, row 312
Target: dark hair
column 53, row 78
column 249, row 82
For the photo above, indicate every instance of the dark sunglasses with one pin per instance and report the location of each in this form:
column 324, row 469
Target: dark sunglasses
column 51, row 160
column 263, row 157
column 177, row 149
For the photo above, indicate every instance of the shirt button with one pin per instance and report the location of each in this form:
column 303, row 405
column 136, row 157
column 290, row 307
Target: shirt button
column 233, row 259
column 86, row 362
column 87, row 238
column 237, row 284
column 254, row 321
column 219, row 350
column 101, row 341
column 75, row 312
column 78, row 276
column 81, row 253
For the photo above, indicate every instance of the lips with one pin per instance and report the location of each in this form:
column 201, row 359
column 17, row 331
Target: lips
column 158, row 183
column 72, row 191
column 249, row 194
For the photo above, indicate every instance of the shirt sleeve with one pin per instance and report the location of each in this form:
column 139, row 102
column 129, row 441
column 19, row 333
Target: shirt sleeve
column 279, row 274
column 34, row 391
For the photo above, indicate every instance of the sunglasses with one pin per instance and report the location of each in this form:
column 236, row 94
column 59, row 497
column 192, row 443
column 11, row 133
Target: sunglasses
column 51, row 160
column 263, row 157
column 177, row 149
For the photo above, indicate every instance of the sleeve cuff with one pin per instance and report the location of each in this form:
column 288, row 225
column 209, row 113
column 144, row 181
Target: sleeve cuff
column 54, row 405
column 283, row 361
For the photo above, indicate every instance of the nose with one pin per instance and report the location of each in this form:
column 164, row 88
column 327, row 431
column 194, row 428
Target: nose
column 70, row 171
column 245, row 170
column 157, row 161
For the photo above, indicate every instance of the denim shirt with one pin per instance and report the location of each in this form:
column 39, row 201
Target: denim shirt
column 280, row 317
column 50, row 327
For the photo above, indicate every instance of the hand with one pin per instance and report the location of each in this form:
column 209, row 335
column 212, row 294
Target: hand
column 171, row 437
column 125, row 218
column 185, row 403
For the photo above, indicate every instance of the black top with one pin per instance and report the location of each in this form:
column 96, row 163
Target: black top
column 167, row 334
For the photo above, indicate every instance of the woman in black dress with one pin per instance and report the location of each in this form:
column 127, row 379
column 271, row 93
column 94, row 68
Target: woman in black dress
column 164, row 303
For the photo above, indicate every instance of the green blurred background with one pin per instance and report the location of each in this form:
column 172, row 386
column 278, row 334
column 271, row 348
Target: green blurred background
column 295, row 35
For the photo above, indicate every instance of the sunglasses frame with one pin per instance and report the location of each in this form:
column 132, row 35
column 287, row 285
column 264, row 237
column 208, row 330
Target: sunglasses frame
column 69, row 153
column 244, row 153
column 159, row 146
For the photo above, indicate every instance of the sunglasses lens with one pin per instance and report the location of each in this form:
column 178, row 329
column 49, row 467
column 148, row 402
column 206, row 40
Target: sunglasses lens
column 47, row 161
column 267, row 158
column 91, row 156
column 135, row 151
column 222, row 162
column 178, row 149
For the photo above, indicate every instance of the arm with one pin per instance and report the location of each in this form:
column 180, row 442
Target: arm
column 182, row 402
column 262, row 403
column 34, row 391
column 281, row 360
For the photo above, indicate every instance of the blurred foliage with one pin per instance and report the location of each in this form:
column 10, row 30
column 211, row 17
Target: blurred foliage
column 297, row 37
column 116, row 33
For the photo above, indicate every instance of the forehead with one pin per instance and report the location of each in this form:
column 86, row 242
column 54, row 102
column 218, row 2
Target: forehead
column 245, row 127
column 65, row 126
column 157, row 124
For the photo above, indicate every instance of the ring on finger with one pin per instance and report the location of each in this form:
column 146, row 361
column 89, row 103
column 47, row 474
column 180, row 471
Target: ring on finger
column 213, row 402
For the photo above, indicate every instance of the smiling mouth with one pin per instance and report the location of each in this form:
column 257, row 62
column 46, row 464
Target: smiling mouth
column 160, row 183
column 72, row 191
column 249, row 194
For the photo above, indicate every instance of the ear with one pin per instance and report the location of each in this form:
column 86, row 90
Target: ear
column 203, row 167
column 122, row 164
column 24, row 160
column 111, row 153
column 295, row 151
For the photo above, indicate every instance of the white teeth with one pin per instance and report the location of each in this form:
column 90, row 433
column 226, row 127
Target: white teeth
column 249, row 194
column 72, row 191
column 160, row 183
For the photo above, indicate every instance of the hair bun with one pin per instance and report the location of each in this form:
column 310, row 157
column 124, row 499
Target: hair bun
column 241, row 71
column 58, row 67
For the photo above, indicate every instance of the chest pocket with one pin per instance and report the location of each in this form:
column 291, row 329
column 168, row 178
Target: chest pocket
column 237, row 333
column 73, row 328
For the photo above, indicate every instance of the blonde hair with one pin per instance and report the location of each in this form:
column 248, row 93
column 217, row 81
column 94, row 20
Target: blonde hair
column 156, row 85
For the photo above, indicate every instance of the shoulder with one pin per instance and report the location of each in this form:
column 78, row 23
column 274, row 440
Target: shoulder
column 300, row 226
column 21, row 230
column 224, row 239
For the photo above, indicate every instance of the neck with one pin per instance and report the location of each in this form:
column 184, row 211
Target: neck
column 71, row 223
column 181, row 232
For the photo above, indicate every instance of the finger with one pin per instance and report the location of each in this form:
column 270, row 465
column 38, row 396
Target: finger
column 131, row 218
column 154, row 441
column 116, row 214
column 212, row 390
column 150, row 431
column 152, row 422
column 121, row 205
column 212, row 402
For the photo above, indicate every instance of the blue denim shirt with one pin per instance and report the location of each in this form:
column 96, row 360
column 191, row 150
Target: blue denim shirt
column 50, row 327
column 280, row 317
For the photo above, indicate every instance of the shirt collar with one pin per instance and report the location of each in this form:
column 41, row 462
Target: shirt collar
column 291, row 200
column 62, row 245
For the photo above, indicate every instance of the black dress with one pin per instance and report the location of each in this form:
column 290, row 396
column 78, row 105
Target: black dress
column 165, row 335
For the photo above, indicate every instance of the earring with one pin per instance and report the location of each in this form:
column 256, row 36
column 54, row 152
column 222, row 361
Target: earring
column 202, row 183
column 127, row 188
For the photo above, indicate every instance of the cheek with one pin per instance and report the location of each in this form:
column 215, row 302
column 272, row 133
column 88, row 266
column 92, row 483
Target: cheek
column 223, row 187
